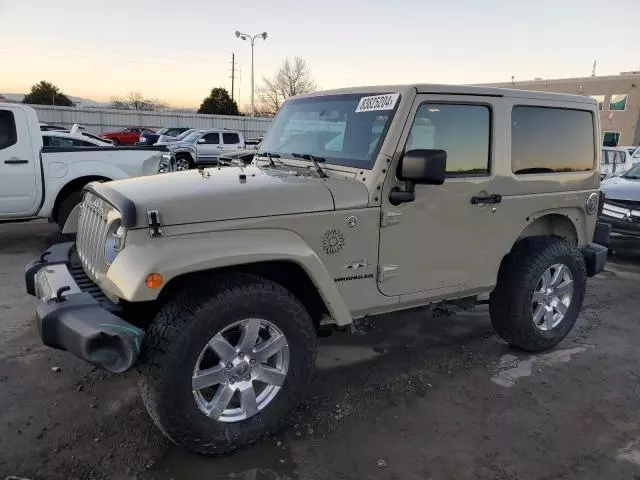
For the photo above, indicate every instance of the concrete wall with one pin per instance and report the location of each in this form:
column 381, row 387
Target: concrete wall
column 101, row 120
column 626, row 122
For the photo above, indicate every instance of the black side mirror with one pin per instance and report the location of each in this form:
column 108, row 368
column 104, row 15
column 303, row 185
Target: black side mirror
column 419, row 166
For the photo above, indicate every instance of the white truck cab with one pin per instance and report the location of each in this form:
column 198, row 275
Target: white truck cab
column 38, row 181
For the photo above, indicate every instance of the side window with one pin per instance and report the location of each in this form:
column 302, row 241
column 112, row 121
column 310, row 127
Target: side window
column 212, row 138
column 610, row 139
column 463, row 131
column 8, row 132
column 82, row 143
column 60, row 142
column 230, row 138
column 551, row 140
column 618, row 102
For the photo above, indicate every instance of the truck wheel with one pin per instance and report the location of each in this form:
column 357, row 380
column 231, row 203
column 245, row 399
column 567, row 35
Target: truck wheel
column 73, row 199
column 183, row 162
column 225, row 361
column 539, row 294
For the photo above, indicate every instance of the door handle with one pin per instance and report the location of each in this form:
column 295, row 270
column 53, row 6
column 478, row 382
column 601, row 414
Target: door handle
column 15, row 161
column 495, row 198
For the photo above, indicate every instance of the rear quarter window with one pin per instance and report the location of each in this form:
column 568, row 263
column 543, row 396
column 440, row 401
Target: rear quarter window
column 551, row 140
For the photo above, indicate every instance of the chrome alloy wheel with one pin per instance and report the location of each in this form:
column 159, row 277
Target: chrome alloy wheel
column 182, row 164
column 552, row 297
column 240, row 370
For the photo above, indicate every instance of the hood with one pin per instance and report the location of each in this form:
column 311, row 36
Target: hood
column 619, row 188
column 179, row 144
column 228, row 193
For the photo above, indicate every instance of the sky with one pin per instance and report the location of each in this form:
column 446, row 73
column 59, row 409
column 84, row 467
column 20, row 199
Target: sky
column 178, row 51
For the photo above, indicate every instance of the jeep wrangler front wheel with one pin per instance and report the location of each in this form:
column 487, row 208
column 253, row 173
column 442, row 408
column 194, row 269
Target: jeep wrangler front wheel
column 539, row 294
column 226, row 361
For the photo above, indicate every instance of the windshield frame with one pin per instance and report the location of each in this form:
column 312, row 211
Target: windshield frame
column 329, row 160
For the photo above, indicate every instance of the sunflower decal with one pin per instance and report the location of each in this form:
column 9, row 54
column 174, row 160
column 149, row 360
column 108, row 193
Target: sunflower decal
column 332, row 241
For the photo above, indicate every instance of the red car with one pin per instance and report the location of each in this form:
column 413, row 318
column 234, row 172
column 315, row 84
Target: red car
column 127, row 136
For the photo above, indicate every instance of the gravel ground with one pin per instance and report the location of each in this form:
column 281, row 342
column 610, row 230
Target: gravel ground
column 426, row 395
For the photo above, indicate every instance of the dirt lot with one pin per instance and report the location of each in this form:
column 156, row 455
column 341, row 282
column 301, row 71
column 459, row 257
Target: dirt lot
column 424, row 396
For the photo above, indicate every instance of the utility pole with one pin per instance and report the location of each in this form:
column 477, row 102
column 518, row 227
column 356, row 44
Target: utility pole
column 233, row 74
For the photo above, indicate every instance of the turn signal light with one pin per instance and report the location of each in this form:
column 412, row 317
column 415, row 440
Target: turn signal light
column 154, row 280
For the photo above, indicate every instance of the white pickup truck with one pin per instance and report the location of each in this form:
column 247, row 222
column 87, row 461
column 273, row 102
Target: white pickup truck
column 46, row 182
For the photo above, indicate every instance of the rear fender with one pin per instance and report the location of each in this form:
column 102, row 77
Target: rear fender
column 173, row 257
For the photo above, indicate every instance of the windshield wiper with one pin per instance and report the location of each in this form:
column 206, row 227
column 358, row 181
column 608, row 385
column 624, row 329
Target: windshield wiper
column 316, row 162
column 270, row 156
column 632, row 177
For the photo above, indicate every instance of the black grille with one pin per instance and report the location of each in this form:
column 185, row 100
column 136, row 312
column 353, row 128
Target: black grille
column 630, row 204
column 87, row 285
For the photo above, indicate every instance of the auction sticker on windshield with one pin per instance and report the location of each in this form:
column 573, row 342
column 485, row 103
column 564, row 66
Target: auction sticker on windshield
column 378, row 102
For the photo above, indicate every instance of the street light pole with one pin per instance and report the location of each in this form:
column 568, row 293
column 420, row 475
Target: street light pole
column 252, row 40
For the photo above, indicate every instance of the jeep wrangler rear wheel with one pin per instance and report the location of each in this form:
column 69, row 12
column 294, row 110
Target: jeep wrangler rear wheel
column 539, row 295
column 225, row 361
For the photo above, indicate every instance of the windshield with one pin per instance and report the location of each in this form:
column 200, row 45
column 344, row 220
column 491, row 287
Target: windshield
column 343, row 129
column 185, row 134
column 192, row 137
column 161, row 131
column 633, row 172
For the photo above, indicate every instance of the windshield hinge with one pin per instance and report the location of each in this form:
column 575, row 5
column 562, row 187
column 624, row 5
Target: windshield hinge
column 155, row 223
column 389, row 217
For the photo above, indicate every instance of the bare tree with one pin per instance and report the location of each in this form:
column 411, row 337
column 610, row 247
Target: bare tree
column 293, row 78
column 136, row 101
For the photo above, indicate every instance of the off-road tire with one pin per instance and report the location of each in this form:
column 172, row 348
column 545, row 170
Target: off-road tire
column 180, row 331
column 510, row 302
column 67, row 205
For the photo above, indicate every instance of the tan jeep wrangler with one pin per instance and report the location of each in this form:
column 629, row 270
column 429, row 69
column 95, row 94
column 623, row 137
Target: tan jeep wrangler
column 363, row 201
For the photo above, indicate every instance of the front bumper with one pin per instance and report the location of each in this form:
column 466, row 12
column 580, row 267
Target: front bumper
column 74, row 314
column 595, row 254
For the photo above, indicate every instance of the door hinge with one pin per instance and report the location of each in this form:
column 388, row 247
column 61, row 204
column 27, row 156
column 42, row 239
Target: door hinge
column 389, row 218
column 386, row 272
column 155, row 223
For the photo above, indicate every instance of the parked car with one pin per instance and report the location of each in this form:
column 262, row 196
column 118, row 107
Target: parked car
column 203, row 147
column 234, row 269
column 241, row 157
column 72, row 138
column 46, row 181
column 127, row 136
column 621, row 207
column 180, row 137
column 162, row 135
column 615, row 160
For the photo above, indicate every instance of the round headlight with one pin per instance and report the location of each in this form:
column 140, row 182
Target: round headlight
column 114, row 243
column 591, row 205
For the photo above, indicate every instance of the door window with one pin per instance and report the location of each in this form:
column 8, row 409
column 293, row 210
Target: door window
column 212, row 138
column 8, row 132
column 463, row 131
column 230, row 138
